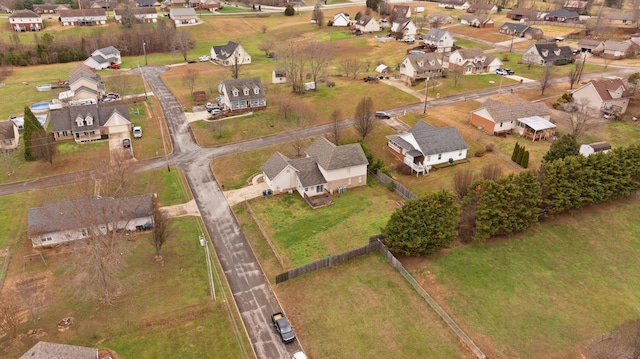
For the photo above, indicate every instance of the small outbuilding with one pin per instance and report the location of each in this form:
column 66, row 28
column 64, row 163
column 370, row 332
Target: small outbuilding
column 535, row 128
column 589, row 149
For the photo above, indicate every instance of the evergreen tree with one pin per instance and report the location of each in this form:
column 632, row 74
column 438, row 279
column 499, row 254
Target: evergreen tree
column 564, row 147
column 520, row 154
column 31, row 126
column 289, row 11
column 423, row 226
column 515, row 152
column 525, row 160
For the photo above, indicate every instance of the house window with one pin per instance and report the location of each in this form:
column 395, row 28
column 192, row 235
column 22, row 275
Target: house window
column 460, row 154
column 440, row 156
column 349, row 182
column 89, row 121
column 319, row 189
column 359, row 179
column 235, row 92
column 246, row 92
column 500, row 124
column 79, row 122
column 306, row 189
column 256, row 90
column 428, row 158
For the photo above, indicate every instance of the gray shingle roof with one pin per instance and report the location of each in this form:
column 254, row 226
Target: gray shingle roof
column 332, row 157
column 64, row 119
column 274, row 165
column 81, row 74
column 68, row 215
column 504, row 112
column 109, row 50
column 569, row 14
column 435, row 34
column 472, row 54
column 46, row 350
column 600, row 146
column 146, row 2
column 552, row 52
column 241, row 85
column 424, row 62
column 225, row 51
column 308, row 172
column 24, row 14
column 183, row 11
column 82, row 13
column 517, row 28
column 432, row 140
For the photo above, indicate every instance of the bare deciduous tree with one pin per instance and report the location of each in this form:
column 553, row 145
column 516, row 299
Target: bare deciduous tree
column 8, row 160
column 43, row 145
column 580, row 118
column 190, row 79
column 235, row 67
column 491, row 172
column 365, row 119
column 318, row 56
column 263, row 29
column 10, row 316
column 573, row 75
column 544, row 78
column 183, row 42
column 317, row 15
column 31, row 293
column 266, row 46
column 161, row 229
column 351, row 66
column 284, row 104
column 291, row 58
column 336, row 117
column 456, row 74
column 298, row 129
column 461, row 182
column 623, row 342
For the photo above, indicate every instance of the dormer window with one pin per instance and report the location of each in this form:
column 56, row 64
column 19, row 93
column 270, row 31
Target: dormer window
column 256, row 90
column 245, row 91
column 420, row 63
column 557, row 52
column 235, row 92
column 79, row 122
column 89, row 120
column 545, row 53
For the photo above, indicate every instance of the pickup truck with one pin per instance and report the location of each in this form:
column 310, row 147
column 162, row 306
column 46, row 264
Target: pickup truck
column 283, row 327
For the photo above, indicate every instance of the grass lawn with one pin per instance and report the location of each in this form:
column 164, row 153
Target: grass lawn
column 545, row 293
column 487, row 34
column 470, row 44
column 371, row 312
column 302, row 235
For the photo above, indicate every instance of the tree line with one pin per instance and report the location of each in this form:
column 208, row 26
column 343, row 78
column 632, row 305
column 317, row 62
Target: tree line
column 50, row 49
column 511, row 204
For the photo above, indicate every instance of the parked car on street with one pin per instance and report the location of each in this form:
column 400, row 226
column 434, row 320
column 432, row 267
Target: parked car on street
column 281, row 323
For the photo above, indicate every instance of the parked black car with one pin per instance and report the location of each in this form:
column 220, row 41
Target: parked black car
column 281, row 323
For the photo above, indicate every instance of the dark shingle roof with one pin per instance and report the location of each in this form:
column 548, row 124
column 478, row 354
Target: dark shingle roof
column 68, row 215
column 605, row 87
column 225, row 51
column 308, row 172
column 146, row 2
column 65, row 119
column 241, row 85
column 275, row 164
column 424, row 62
column 82, row 12
column 432, row 140
column 552, row 52
column 45, row 350
column 569, row 14
column 600, row 146
column 24, row 14
column 332, row 157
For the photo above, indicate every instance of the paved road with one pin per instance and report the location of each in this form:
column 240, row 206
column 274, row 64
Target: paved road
column 250, row 288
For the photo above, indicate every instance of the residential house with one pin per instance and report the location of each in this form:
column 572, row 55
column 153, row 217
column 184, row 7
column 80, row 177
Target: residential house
column 103, row 4
column 89, row 122
column 230, row 54
column 46, row 350
column 621, row 19
column 142, row 14
column 440, row 40
column 279, row 77
column 211, row 5
column 19, row 121
column 367, row 23
column 593, row 148
column 401, row 11
column 83, row 17
column 178, row 3
column 522, row 14
column 242, row 94
column 183, row 16
column 50, row 8
column 9, row 136
column 480, row 8
column 454, row 4
column 482, row 22
column 25, row 20
column 473, row 61
column 101, row 59
column 581, row 7
column 341, row 19
column 147, row 3
column 424, row 146
column 77, row 219
column 498, row 118
column 589, row 45
column 521, row 30
column 562, row 15
column 547, row 54
column 467, row 19
column 326, row 168
column 614, row 49
column 4, row 9
column 402, row 29
column 438, row 18
column 84, row 83
column 603, row 96
column 420, row 66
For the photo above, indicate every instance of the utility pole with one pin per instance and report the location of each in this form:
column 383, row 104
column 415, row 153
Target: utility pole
column 205, row 244
column 144, row 50
column 426, row 90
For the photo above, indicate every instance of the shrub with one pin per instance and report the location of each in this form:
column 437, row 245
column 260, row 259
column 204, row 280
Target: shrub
column 490, row 147
column 480, row 153
column 289, row 11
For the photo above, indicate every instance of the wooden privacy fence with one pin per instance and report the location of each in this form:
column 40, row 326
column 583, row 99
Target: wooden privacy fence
column 5, row 266
column 397, row 187
column 464, row 338
column 328, row 261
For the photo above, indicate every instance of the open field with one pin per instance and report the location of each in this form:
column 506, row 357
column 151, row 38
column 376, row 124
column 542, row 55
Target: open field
column 545, row 293
column 372, row 312
column 143, row 322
